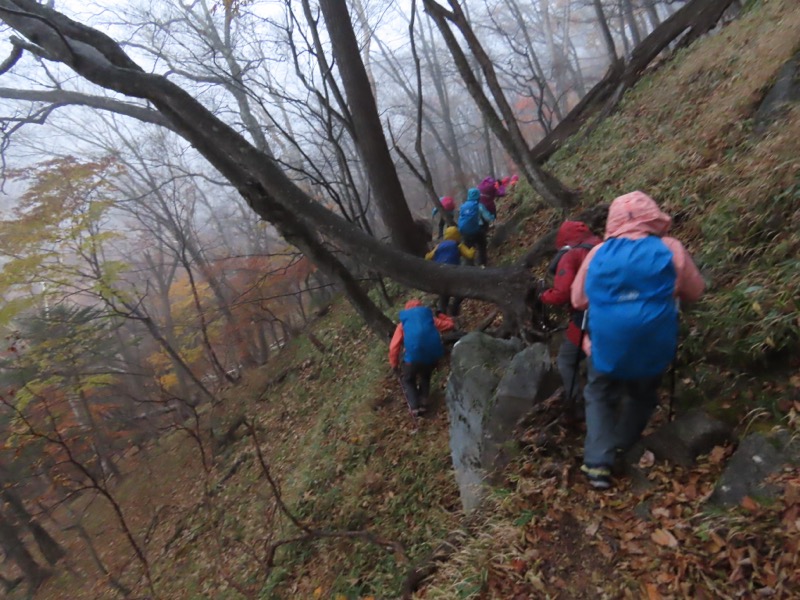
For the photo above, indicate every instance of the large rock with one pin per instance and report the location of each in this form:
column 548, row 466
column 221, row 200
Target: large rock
column 684, row 439
column 492, row 384
column 784, row 92
column 755, row 459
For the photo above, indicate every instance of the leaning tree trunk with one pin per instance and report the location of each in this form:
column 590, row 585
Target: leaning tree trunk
column 370, row 139
column 694, row 19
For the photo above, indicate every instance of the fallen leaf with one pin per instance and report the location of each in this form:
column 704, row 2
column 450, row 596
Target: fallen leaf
column 660, row 512
column 647, row 460
column 662, row 537
column 592, row 528
column 318, row 592
column 748, row 503
column 792, row 494
column 690, row 491
column 790, row 516
column 717, row 454
column 652, row 591
column 519, row 565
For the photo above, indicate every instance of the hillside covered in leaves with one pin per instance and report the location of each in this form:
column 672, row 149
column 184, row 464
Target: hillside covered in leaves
column 324, row 488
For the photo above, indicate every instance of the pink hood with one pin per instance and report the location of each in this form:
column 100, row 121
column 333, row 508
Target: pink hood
column 636, row 215
column 413, row 303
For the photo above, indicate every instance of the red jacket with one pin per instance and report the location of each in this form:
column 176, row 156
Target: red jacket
column 571, row 233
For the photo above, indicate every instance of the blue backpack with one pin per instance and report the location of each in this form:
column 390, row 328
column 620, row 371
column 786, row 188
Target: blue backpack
column 447, row 252
column 633, row 316
column 469, row 219
column 421, row 339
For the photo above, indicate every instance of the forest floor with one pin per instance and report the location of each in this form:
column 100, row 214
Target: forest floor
column 336, row 436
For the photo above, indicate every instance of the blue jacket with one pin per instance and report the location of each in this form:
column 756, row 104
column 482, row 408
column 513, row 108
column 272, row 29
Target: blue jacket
column 474, row 195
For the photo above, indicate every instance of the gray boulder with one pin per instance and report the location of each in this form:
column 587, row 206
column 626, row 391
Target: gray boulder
column 784, row 92
column 492, row 384
column 755, row 459
column 684, row 439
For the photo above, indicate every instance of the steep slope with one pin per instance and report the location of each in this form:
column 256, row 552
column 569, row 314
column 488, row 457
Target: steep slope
column 379, row 493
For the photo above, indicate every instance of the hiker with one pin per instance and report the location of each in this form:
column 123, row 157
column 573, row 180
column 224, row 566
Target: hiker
column 630, row 284
column 489, row 191
column 573, row 241
column 473, row 223
column 447, row 214
column 450, row 252
column 419, row 332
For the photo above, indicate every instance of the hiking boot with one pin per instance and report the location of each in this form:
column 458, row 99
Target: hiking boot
column 599, row 477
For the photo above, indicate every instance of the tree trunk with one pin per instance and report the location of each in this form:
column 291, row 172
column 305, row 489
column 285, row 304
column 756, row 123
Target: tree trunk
column 50, row 548
column 487, row 140
column 630, row 18
column 608, row 39
column 557, row 67
column 14, row 549
column 368, row 129
column 697, row 16
column 533, row 60
column 447, row 118
column 652, row 13
column 83, row 415
column 504, row 125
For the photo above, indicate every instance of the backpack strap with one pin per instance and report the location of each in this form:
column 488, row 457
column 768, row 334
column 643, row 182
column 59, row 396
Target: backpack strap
column 553, row 266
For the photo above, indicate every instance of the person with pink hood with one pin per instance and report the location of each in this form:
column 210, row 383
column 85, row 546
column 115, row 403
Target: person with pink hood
column 630, row 286
column 447, row 215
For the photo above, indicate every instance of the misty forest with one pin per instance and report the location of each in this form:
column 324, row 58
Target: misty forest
column 213, row 211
